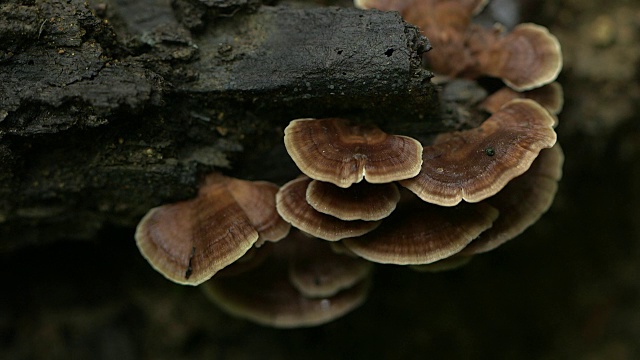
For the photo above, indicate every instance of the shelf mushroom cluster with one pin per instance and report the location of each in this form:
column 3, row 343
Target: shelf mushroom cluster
column 296, row 282
column 331, row 201
column 348, row 192
column 367, row 197
column 264, row 271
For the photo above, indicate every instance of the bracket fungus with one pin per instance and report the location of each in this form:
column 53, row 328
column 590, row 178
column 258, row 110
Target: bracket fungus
column 285, row 290
column 317, row 271
column 361, row 201
column 451, row 263
column 421, row 233
column 475, row 164
column 550, row 96
column 336, row 151
column 291, row 203
column 467, row 192
column 190, row 241
column 525, row 58
column 522, row 201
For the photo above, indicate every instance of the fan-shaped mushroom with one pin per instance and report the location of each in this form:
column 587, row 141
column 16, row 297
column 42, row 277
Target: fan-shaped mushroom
column 525, row 58
column 475, row 164
column 336, row 151
column 292, row 287
column 522, row 201
column 189, row 241
column 550, row 96
column 361, row 201
column 421, row 233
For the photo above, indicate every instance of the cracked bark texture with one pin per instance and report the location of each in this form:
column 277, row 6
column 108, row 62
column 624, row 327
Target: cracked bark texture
column 110, row 108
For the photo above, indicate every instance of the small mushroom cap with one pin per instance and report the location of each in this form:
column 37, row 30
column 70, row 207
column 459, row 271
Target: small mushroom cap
column 550, row 96
column 265, row 296
column 190, row 241
column 253, row 258
column 451, row 263
column 293, row 207
column 361, row 201
column 339, row 248
column 333, row 150
column 526, row 58
column 475, row 164
column 522, row 201
column 421, row 233
column 316, row 271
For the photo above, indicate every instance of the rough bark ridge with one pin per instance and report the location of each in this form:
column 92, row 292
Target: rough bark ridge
column 111, row 109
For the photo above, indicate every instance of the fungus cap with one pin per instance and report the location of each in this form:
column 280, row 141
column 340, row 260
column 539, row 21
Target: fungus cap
column 550, row 96
column 189, row 241
column 317, row 271
column 522, row 202
column 526, row 58
column 475, row 164
column 421, row 233
column 451, row 263
column 361, row 201
column 336, row 151
column 265, row 294
column 267, row 298
column 292, row 205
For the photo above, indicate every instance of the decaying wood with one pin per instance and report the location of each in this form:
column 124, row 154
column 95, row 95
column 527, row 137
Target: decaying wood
column 108, row 111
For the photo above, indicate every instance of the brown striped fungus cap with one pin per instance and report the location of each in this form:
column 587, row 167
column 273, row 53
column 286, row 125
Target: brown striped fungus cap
column 317, row 271
column 337, row 151
column 475, row 164
column 522, row 201
column 302, row 283
column 421, row 233
column 525, row 58
column 190, row 241
column 550, row 96
column 451, row 263
column 361, row 201
column 291, row 203
column 266, row 296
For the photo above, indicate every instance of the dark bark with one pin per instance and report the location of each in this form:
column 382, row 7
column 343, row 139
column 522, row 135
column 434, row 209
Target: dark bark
column 108, row 111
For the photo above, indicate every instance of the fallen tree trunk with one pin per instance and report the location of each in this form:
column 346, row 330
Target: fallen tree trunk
column 105, row 113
